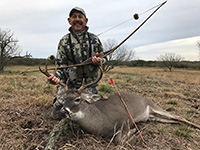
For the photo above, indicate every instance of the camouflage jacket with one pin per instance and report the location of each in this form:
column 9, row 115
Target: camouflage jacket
column 74, row 49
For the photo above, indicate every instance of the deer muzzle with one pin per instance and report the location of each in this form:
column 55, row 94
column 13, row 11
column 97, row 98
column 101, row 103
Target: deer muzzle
column 66, row 111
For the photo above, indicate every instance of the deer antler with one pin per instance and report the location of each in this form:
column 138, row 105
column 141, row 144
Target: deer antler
column 96, row 81
column 51, row 57
column 45, row 71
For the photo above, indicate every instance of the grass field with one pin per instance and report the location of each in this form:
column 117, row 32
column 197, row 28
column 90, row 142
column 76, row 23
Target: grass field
column 26, row 101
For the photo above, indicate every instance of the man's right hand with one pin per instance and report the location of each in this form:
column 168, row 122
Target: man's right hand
column 96, row 60
column 53, row 79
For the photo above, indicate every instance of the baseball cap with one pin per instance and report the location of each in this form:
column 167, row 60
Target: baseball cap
column 77, row 9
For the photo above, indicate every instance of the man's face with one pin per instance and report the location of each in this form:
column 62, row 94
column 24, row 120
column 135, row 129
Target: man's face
column 78, row 22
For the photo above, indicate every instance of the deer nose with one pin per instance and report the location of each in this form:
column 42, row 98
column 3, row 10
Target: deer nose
column 65, row 111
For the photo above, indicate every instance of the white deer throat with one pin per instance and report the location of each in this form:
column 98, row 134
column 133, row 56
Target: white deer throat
column 78, row 115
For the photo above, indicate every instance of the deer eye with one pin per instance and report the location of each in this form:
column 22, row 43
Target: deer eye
column 77, row 100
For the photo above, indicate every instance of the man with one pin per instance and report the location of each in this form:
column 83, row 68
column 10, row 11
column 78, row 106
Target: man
column 74, row 48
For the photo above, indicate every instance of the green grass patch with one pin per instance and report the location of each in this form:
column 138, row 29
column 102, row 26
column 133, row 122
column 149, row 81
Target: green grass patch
column 192, row 111
column 184, row 132
column 9, row 72
column 186, row 94
column 128, row 79
column 104, row 88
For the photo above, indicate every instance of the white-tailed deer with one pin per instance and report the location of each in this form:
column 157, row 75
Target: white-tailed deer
column 107, row 117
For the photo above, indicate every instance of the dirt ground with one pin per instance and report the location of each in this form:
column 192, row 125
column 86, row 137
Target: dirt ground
column 26, row 101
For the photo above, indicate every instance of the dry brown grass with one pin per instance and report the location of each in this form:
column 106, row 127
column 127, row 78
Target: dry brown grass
column 25, row 104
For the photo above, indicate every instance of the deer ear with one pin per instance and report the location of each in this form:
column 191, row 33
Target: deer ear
column 90, row 98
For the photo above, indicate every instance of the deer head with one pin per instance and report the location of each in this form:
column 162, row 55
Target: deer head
column 73, row 97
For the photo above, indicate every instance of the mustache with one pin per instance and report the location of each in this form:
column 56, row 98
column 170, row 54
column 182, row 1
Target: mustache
column 77, row 22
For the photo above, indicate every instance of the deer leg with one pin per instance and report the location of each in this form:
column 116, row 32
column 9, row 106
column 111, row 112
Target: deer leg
column 180, row 119
column 162, row 116
column 118, row 133
column 124, row 133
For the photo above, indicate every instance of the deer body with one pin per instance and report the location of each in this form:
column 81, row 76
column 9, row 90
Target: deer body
column 102, row 116
column 109, row 117
column 106, row 117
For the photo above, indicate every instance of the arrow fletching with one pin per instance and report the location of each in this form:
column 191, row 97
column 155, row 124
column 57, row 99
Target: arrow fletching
column 112, row 81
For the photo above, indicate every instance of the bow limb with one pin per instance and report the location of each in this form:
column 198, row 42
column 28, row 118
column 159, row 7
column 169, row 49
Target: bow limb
column 112, row 50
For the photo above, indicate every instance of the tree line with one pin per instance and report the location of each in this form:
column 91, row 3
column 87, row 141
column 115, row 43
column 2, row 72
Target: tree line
column 10, row 55
column 133, row 63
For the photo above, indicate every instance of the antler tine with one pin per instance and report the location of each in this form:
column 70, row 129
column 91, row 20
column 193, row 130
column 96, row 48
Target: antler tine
column 45, row 71
column 96, row 81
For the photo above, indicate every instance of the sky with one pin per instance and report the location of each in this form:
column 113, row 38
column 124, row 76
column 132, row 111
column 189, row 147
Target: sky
column 40, row 24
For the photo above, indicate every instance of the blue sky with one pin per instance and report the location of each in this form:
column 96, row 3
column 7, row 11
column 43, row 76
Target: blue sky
column 39, row 25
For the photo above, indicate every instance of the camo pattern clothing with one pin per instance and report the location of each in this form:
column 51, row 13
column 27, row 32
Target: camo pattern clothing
column 74, row 48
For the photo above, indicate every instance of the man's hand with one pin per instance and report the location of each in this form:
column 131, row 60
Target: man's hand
column 96, row 60
column 53, row 79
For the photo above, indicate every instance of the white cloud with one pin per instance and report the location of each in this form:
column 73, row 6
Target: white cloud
column 186, row 48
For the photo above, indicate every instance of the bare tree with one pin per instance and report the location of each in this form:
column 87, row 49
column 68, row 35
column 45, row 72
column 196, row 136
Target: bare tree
column 198, row 45
column 8, row 47
column 120, row 55
column 169, row 60
column 28, row 55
